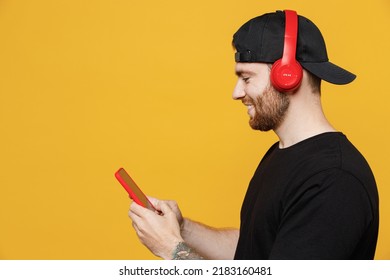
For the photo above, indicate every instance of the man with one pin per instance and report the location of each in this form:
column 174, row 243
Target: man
column 313, row 195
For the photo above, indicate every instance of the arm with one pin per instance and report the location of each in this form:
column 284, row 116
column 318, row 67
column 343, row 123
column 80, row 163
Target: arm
column 331, row 219
column 210, row 242
column 169, row 236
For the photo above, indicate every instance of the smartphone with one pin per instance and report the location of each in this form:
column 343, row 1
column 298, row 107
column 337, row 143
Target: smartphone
column 133, row 190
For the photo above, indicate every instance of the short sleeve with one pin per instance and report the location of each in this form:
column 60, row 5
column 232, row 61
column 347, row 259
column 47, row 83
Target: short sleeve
column 326, row 219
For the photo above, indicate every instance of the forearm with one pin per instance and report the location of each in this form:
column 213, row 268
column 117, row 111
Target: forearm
column 210, row 243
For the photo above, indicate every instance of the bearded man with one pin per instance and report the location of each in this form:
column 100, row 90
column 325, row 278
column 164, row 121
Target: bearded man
column 313, row 195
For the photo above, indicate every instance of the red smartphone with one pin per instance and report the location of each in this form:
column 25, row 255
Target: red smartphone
column 133, row 190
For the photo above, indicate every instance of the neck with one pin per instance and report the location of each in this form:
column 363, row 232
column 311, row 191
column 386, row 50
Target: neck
column 304, row 119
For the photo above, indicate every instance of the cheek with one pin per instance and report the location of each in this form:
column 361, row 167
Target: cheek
column 256, row 89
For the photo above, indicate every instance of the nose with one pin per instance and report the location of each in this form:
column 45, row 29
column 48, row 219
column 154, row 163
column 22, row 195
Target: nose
column 238, row 92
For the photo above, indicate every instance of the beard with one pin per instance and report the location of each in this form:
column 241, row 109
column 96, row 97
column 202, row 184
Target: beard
column 270, row 108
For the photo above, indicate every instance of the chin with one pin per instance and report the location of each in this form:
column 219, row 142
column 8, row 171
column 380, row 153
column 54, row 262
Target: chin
column 262, row 125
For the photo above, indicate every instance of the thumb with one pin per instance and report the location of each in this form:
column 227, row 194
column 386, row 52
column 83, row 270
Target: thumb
column 165, row 208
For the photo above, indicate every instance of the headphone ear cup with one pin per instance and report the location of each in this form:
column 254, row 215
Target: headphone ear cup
column 286, row 77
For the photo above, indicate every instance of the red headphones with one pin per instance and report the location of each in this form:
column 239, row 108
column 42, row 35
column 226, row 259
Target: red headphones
column 286, row 73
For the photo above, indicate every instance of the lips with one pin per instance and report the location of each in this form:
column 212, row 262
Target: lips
column 250, row 108
column 248, row 104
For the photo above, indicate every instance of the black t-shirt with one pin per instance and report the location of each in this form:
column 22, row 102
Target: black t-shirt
column 314, row 200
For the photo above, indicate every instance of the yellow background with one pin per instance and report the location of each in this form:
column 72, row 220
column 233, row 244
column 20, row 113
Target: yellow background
column 87, row 87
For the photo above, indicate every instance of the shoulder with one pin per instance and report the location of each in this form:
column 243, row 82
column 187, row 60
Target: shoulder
column 331, row 151
column 330, row 165
column 353, row 163
column 333, row 192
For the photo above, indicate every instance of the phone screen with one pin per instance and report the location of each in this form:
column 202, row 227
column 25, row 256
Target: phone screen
column 131, row 187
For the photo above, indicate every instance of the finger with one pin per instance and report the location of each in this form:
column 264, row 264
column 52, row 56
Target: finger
column 165, row 208
column 135, row 218
column 152, row 199
column 131, row 214
column 139, row 233
column 172, row 204
column 135, row 227
column 156, row 204
column 138, row 224
column 138, row 209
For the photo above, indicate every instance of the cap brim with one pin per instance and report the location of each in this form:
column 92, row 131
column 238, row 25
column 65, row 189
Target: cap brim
column 329, row 72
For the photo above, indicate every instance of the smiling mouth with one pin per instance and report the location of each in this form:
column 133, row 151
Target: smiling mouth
column 250, row 107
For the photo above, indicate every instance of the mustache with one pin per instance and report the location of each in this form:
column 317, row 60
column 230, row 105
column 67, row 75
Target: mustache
column 248, row 100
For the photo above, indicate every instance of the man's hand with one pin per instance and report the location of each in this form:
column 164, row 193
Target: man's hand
column 160, row 233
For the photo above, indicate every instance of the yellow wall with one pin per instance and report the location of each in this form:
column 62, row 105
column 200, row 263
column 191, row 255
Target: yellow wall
column 89, row 86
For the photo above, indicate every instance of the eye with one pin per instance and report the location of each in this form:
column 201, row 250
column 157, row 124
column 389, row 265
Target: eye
column 245, row 79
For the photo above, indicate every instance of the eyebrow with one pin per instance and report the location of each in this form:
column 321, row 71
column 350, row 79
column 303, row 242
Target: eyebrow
column 240, row 73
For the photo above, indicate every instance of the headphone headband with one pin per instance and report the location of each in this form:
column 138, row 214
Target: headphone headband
column 286, row 73
column 290, row 36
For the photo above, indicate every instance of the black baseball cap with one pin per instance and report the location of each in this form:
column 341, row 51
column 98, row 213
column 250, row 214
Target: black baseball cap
column 261, row 39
